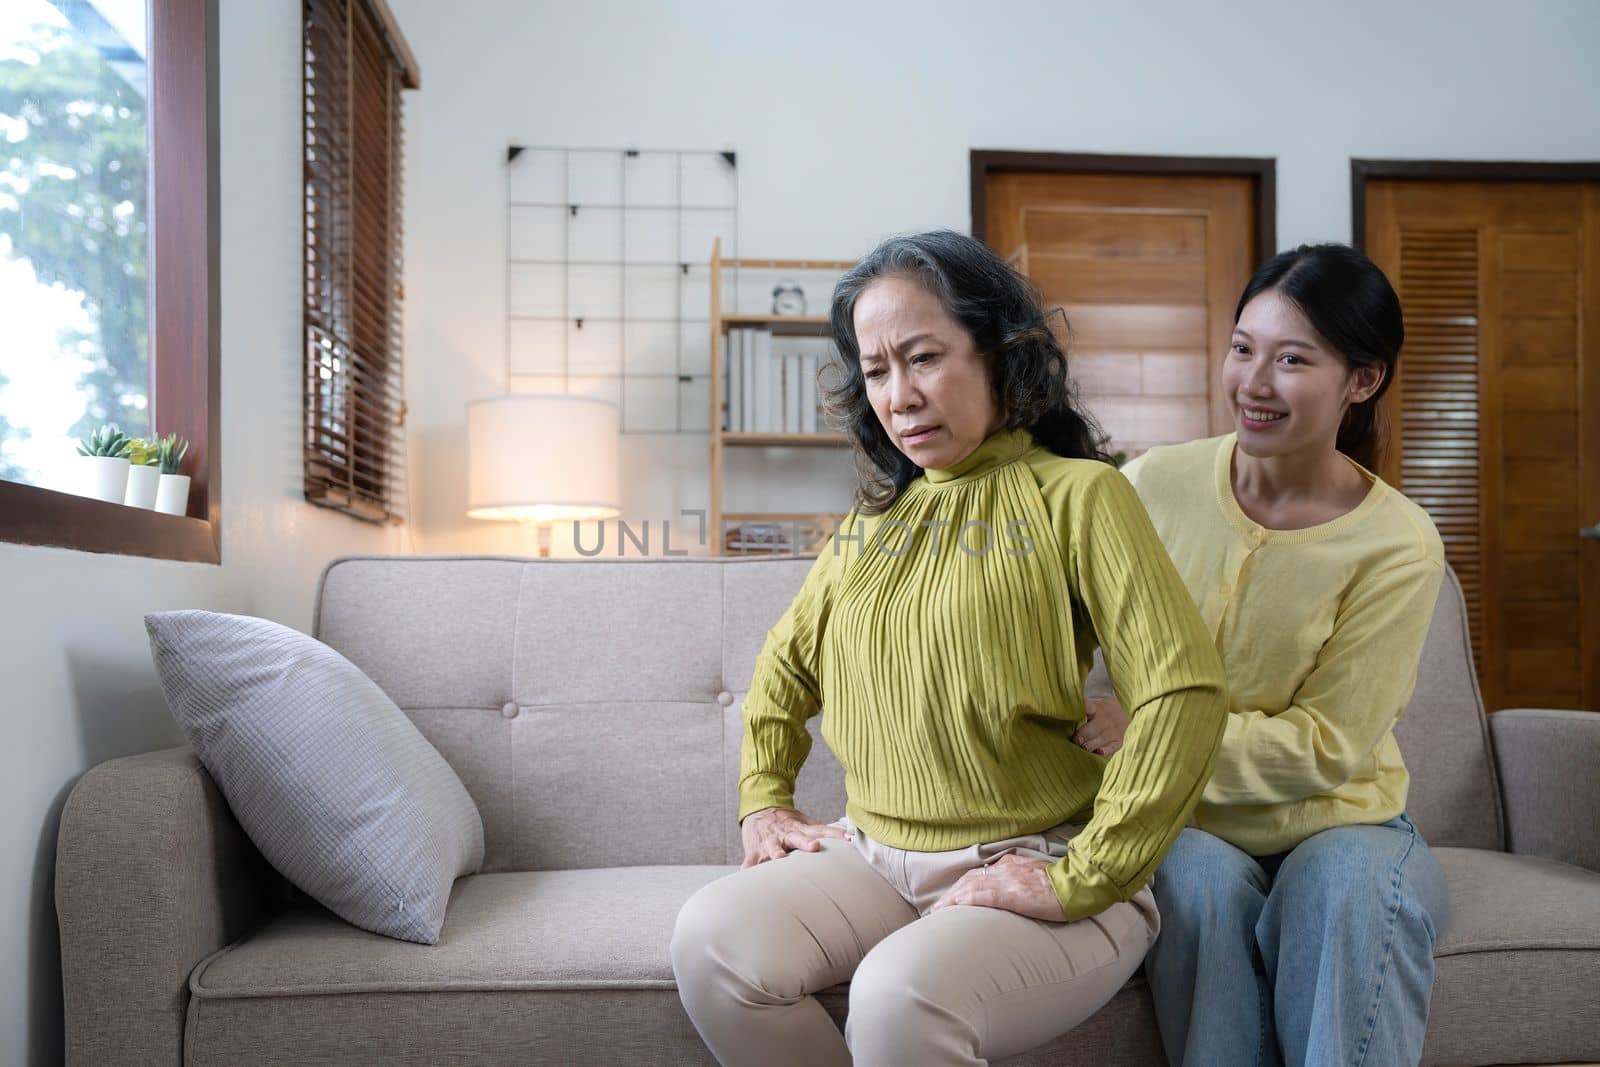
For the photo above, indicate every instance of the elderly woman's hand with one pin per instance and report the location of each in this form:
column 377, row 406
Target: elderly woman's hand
column 1013, row 883
column 773, row 833
column 1104, row 725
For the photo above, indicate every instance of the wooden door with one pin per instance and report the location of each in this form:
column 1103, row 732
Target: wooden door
column 1497, row 413
column 1148, row 270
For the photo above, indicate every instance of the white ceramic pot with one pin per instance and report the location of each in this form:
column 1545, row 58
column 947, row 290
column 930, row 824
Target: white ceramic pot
column 142, row 483
column 105, row 477
column 172, row 495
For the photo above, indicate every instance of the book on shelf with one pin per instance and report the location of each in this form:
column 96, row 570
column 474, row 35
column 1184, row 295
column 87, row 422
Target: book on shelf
column 761, row 361
column 734, row 407
column 728, row 362
column 791, row 395
column 775, row 420
column 748, row 380
column 808, row 393
column 780, row 367
column 772, row 382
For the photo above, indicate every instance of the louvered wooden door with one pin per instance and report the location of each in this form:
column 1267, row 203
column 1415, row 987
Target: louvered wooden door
column 1148, row 270
column 1497, row 407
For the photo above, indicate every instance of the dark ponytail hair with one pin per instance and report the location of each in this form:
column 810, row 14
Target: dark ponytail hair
column 1002, row 312
column 1355, row 309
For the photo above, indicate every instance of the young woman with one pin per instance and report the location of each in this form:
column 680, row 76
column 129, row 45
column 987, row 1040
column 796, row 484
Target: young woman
column 1300, row 915
column 946, row 628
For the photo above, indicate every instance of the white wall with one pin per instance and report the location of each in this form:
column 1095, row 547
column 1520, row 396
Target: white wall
column 74, row 657
column 854, row 120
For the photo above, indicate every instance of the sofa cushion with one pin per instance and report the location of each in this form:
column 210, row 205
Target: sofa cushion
column 332, row 783
column 437, row 635
column 559, row 967
column 568, row 967
column 557, row 786
column 496, row 662
column 1518, row 978
column 573, row 967
column 582, row 929
column 615, row 631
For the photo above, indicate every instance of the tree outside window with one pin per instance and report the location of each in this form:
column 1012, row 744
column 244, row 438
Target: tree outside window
column 74, row 257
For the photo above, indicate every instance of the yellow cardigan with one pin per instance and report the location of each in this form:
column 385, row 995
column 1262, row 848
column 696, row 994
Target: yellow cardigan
column 1320, row 631
column 953, row 675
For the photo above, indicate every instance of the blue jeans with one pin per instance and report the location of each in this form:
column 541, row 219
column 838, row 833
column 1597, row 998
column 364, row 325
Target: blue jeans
column 1319, row 955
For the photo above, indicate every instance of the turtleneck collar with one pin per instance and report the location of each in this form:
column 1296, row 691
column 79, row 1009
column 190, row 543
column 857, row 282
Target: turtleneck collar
column 999, row 448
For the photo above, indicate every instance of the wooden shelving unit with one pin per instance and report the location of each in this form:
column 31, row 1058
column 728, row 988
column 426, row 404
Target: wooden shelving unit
column 784, row 440
column 785, row 325
column 807, row 325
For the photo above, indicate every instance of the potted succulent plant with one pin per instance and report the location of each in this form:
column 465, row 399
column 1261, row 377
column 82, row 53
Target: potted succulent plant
column 106, row 464
column 144, row 473
column 172, row 494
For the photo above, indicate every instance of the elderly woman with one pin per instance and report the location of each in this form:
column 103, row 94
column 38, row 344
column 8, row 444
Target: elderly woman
column 987, row 887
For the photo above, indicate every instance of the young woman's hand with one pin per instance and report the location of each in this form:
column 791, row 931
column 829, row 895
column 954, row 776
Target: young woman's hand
column 1012, row 883
column 773, row 833
column 1103, row 727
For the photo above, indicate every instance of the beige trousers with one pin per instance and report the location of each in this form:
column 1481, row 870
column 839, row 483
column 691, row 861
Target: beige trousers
column 960, row 986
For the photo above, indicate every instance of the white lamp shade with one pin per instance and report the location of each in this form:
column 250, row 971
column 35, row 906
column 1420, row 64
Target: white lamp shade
column 543, row 458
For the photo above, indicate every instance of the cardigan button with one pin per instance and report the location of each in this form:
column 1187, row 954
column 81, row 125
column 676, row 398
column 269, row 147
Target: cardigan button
column 725, row 698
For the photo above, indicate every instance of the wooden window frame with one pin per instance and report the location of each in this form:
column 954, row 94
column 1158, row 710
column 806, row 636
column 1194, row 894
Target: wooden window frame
column 186, row 356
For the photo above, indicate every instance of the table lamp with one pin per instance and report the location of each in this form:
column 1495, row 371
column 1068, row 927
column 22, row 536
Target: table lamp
column 543, row 459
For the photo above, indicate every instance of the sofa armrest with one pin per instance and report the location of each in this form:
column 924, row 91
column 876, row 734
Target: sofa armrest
column 1547, row 762
column 152, row 875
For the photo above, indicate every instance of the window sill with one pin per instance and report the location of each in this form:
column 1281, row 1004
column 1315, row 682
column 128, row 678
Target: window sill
column 30, row 515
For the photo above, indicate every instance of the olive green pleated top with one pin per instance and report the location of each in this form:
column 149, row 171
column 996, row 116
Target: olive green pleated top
column 948, row 639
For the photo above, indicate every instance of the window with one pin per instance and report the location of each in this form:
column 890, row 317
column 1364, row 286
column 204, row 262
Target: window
column 356, row 64
column 73, row 226
column 108, row 261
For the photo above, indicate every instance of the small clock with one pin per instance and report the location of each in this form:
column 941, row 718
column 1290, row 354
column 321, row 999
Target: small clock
column 788, row 299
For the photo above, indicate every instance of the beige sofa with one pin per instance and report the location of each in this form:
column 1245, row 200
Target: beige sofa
column 592, row 709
